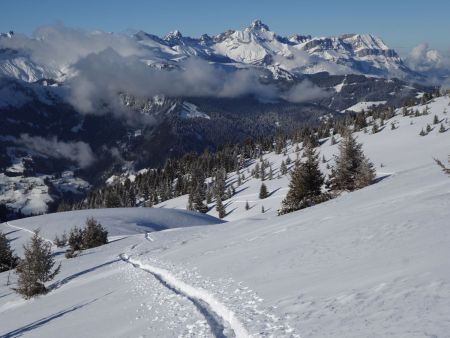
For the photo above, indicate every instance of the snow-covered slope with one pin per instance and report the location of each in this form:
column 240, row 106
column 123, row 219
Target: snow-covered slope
column 371, row 263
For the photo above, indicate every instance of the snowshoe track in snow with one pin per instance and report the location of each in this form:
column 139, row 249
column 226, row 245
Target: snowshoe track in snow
column 222, row 321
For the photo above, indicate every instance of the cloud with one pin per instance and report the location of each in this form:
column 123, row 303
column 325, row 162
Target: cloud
column 58, row 46
column 305, row 91
column 79, row 152
column 102, row 76
column 435, row 64
column 100, row 66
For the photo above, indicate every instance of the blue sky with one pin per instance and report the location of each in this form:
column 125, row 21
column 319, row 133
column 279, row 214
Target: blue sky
column 402, row 24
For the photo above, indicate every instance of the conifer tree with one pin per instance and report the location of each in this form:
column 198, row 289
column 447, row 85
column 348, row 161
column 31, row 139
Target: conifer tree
column 75, row 242
column 435, row 120
column 94, row 234
column 283, row 168
column 220, row 208
column 247, row 206
column 442, row 128
column 8, row 260
column 350, row 164
column 375, row 128
column 35, row 269
column 305, row 185
column 263, row 193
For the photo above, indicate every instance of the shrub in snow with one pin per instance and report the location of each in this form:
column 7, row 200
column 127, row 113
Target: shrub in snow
column 91, row 236
column 444, row 168
column 60, row 241
column 35, row 269
column 94, row 234
column 8, row 260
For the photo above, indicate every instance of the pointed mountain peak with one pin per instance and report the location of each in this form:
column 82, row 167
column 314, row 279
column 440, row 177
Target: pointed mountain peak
column 257, row 25
column 175, row 35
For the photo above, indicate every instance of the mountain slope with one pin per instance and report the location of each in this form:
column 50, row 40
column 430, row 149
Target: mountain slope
column 368, row 263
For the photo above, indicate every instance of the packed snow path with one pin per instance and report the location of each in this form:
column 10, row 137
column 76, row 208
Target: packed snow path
column 216, row 313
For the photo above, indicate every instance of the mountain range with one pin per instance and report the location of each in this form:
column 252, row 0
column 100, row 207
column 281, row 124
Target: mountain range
column 256, row 45
column 77, row 107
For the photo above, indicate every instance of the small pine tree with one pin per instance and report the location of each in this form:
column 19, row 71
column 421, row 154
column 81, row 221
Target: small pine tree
column 220, row 208
column 349, row 163
column 60, row 241
column 365, row 174
column 8, row 260
column 435, row 119
column 442, row 128
column 263, row 193
column 247, row 206
column 262, row 209
column 283, row 168
column 305, row 185
column 422, row 133
column 428, row 129
column 375, row 128
column 94, row 234
column 75, row 242
column 35, row 269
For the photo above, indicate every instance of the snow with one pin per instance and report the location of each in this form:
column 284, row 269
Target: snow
column 371, row 263
column 190, row 111
column 253, row 45
column 364, row 105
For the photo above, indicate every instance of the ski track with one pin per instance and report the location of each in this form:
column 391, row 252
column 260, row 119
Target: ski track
column 217, row 314
column 29, row 231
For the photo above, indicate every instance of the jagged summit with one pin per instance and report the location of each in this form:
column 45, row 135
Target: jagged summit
column 257, row 25
column 7, row 35
column 174, row 35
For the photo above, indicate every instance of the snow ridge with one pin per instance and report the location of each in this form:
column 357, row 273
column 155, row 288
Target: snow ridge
column 29, row 231
column 200, row 297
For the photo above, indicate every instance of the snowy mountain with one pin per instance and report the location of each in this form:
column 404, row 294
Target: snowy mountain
column 77, row 107
column 255, row 45
column 373, row 262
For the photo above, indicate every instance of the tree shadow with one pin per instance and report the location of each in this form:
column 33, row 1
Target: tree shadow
column 266, row 210
column 229, row 212
column 6, row 294
column 273, row 192
column 241, row 190
column 66, row 280
column 12, row 239
column 379, row 179
column 32, row 326
column 10, row 232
